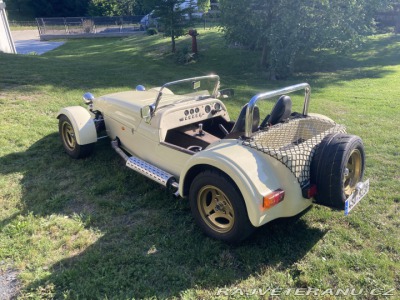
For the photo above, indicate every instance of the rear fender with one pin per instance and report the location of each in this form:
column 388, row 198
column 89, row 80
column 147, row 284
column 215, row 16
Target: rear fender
column 251, row 172
column 82, row 122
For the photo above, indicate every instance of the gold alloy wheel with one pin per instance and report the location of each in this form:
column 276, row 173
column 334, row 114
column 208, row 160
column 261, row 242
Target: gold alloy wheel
column 68, row 135
column 352, row 173
column 215, row 209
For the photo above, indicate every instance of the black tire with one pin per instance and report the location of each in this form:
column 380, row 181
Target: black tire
column 337, row 166
column 227, row 218
column 68, row 139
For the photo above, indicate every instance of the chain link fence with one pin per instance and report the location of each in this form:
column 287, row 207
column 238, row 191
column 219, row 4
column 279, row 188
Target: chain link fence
column 80, row 27
column 88, row 25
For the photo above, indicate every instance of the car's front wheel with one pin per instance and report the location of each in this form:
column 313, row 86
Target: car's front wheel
column 68, row 139
column 218, row 207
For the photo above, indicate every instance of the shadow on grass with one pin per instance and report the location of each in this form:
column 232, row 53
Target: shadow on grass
column 368, row 61
column 150, row 246
column 378, row 51
column 118, row 63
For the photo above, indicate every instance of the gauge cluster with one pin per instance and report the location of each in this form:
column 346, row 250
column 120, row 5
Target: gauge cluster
column 198, row 112
column 194, row 112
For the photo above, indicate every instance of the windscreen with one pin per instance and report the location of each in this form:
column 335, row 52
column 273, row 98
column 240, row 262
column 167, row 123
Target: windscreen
column 200, row 87
column 197, row 88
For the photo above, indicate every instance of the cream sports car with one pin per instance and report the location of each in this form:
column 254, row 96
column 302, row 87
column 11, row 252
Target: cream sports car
column 237, row 175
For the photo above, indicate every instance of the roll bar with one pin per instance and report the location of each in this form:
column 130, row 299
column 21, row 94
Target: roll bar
column 267, row 95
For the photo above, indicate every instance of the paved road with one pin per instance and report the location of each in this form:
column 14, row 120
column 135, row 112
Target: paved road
column 8, row 284
column 23, row 35
column 28, row 42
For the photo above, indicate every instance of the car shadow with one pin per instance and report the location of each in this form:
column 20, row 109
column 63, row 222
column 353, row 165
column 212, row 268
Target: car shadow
column 149, row 245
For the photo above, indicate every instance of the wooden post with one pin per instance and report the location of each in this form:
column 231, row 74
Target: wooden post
column 193, row 33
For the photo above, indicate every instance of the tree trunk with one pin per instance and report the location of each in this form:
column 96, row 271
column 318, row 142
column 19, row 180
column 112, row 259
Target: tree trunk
column 173, row 41
column 264, row 54
column 292, row 61
column 173, row 36
column 272, row 74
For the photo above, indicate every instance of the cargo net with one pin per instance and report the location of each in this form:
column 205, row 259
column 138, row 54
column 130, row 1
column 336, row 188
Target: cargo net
column 293, row 143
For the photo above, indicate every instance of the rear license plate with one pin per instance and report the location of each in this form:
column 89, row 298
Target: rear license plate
column 361, row 190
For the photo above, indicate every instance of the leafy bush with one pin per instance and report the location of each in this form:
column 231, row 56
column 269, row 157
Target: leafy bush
column 88, row 26
column 185, row 56
column 152, row 31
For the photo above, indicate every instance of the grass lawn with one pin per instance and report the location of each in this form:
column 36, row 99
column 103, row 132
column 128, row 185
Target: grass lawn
column 92, row 229
column 22, row 27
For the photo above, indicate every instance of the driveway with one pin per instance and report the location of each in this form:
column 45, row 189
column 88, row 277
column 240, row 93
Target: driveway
column 28, row 42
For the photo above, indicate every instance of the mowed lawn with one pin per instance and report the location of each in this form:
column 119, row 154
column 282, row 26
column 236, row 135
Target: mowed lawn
column 92, row 229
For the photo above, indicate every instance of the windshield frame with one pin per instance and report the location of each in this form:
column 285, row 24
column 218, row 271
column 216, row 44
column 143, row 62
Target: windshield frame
column 213, row 95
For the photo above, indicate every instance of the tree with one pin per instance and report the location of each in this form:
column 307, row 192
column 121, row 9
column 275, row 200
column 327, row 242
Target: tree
column 284, row 29
column 20, row 9
column 112, row 7
column 103, row 8
column 27, row 9
column 203, row 5
column 174, row 17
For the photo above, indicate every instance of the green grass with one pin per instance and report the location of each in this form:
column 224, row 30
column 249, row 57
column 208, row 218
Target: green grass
column 92, row 229
column 22, row 27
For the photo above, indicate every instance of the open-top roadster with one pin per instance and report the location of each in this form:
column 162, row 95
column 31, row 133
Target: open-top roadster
column 237, row 175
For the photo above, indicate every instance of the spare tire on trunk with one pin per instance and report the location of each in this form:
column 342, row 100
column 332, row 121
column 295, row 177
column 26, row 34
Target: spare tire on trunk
column 336, row 168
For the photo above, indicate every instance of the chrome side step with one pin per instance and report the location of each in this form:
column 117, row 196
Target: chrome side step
column 149, row 171
column 160, row 176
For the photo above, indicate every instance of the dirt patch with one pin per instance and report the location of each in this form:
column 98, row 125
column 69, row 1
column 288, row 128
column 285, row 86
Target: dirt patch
column 9, row 284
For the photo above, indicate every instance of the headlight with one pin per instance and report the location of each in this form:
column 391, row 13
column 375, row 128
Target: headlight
column 88, row 98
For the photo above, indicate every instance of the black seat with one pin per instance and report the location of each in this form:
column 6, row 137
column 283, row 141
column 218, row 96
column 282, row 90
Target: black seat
column 280, row 112
column 238, row 128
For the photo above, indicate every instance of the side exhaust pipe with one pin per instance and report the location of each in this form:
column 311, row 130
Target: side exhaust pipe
column 156, row 174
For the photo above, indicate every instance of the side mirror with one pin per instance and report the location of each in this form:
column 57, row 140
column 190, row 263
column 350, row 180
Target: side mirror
column 226, row 93
column 146, row 112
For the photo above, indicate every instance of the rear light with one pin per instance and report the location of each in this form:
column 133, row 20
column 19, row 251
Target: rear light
column 273, row 198
column 309, row 191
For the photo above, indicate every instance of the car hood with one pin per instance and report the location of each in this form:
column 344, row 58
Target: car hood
column 133, row 99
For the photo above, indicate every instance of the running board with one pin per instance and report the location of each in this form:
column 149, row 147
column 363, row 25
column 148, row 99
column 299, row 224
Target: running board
column 142, row 167
column 150, row 171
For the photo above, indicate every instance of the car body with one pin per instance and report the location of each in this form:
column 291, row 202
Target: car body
column 151, row 20
column 236, row 175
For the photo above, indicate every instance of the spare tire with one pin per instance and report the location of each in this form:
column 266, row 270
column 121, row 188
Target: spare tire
column 336, row 168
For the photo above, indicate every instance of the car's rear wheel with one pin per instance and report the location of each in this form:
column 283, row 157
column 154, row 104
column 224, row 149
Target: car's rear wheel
column 337, row 166
column 218, row 207
column 68, row 139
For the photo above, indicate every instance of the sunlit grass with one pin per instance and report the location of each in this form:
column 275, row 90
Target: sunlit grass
column 91, row 229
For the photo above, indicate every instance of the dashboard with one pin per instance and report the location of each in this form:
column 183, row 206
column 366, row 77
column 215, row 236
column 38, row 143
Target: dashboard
column 191, row 112
column 200, row 111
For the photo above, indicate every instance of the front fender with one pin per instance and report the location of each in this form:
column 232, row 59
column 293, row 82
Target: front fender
column 251, row 171
column 82, row 122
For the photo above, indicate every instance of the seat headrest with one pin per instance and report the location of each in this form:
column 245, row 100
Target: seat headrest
column 281, row 110
column 240, row 124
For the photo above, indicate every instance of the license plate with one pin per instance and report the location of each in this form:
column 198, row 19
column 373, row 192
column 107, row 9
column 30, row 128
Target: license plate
column 362, row 189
